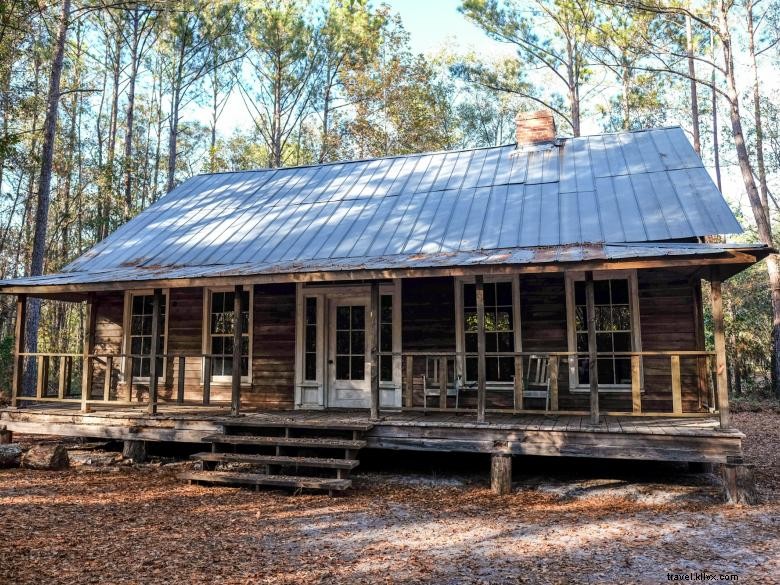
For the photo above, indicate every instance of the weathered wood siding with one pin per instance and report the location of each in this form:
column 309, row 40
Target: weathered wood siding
column 273, row 360
column 109, row 314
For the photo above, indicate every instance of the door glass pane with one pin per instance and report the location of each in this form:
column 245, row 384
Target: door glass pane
column 350, row 342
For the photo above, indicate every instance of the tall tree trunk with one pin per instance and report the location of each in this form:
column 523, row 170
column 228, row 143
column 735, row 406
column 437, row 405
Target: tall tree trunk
column 760, row 165
column 172, row 140
column 762, row 221
column 715, row 138
column 130, row 115
column 44, row 181
column 694, row 92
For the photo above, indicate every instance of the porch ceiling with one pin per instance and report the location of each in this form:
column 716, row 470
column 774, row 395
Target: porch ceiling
column 731, row 258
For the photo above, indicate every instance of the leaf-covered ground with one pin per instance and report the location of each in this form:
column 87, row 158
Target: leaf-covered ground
column 138, row 524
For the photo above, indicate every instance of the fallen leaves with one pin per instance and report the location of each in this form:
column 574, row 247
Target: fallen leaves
column 128, row 525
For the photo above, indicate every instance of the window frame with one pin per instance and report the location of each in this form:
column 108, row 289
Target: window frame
column 571, row 334
column 127, row 315
column 246, row 381
column 460, row 329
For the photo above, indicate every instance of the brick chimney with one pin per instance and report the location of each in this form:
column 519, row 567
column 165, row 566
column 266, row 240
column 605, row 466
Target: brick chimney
column 532, row 128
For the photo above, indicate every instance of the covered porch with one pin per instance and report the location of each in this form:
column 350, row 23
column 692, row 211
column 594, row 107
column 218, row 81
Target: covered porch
column 622, row 340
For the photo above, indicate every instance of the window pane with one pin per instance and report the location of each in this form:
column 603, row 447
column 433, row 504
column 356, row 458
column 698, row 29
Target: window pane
column 342, row 317
column 582, row 342
column 504, row 293
column 491, row 369
column 471, row 342
column 386, row 338
column 311, row 338
column 146, row 345
column 503, row 320
column 623, row 370
column 245, row 366
column 619, row 292
column 227, row 369
column 227, row 343
column 621, row 318
column 244, row 345
column 311, row 311
column 606, row 371
column 145, row 367
column 603, row 319
column 470, row 321
column 506, row 342
column 357, row 371
column 217, row 345
column 506, row 368
column 358, row 317
column 146, row 325
column 135, row 345
column 138, row 305
column 583, row 371
column 490, row 294
column 310, row 367
column 386, row 306
column 579, row 293
column 580, row 319
column 469, row 295
column 491, row 342
column 601, row 292
column 342, row 367
column 217, row 302
column 622, row 341
column 603, row 342
column 136, row 367
column 342, row 342
column 358, row 342
column 471, row 369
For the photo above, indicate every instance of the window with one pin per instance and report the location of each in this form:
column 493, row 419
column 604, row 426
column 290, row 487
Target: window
column 502, row 333
column 221, row 322
column 616, row 325
column 386, row 337
column 139, row 328
column 310, row 342
column 350, row 342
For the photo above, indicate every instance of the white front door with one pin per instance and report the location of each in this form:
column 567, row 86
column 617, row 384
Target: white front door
column 349, row 365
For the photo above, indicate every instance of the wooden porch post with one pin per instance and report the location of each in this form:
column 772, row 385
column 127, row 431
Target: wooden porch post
column 21, row 317
column 153, row 374
column 235, row 395
column 720, row 352
column 481, row 386
column 593, row 374
column 89, row 342
column 373, row 346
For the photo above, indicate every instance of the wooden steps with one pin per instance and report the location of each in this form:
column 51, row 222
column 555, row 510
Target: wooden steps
column 294, row 454
column 312, row 442
column 322, row 462
column 258, row 479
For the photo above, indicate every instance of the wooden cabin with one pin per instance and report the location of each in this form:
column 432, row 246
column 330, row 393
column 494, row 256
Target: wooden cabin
column 538, row 298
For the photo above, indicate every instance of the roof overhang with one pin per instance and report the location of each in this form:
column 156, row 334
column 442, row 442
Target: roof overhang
column 705, row 260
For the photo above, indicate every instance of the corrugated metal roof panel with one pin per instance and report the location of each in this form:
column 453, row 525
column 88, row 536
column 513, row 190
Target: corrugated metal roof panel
column 627, row 187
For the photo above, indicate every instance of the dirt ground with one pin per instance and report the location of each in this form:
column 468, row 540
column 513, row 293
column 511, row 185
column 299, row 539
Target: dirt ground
column 576, row 523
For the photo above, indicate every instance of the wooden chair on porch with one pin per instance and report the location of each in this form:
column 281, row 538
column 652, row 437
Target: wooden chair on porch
column 430, row 381
column 538, row 378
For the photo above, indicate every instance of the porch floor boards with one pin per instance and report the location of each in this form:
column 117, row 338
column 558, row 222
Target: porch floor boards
column 618, row 437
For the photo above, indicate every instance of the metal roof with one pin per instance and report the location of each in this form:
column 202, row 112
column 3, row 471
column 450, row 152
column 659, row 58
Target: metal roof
column 442, row 260
column 641, row 186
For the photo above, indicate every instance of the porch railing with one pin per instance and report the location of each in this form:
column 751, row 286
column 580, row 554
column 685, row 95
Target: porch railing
column 108, row 379
column 676, row 383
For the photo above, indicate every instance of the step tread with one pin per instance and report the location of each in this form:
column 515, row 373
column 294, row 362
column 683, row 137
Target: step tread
column 231, row 477
column 328, row 462
column 249, row 422
column 322, row 442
